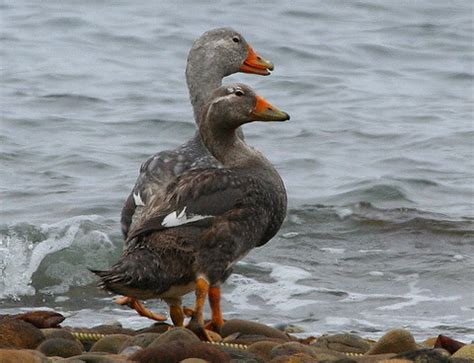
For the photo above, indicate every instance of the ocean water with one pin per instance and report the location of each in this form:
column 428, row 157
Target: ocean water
column 377, row 158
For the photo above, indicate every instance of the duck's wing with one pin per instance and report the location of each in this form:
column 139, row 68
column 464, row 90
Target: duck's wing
column 197, row 198
column 155, row 175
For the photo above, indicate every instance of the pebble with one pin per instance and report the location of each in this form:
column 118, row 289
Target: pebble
column 60, row 347
column 180, row 350
column 98, row 357
column 394, row 341
column 346, row 343
column 263, row 349
column 465, row 352
column 19, row 334
column 175, row 335
column 142, row 340
column 292, row 348
column 251, row 328
column 110, row 343
column 23, row 356
column 41, row 318
column 425, row 355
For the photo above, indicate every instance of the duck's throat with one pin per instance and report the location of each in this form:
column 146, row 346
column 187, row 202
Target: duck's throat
column 201, row 83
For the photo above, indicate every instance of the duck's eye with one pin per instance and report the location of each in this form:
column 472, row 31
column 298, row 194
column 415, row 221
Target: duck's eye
column 235, row 39
column 239, row 93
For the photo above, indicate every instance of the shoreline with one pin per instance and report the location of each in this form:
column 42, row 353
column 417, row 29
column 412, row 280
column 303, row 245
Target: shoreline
column 46, row 336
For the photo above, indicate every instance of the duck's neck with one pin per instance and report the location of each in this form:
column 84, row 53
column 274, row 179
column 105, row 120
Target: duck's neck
column 231, row 150
column 202, row 80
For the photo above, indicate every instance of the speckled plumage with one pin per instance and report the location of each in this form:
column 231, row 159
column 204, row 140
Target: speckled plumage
column 243, row 204
column 213, row 56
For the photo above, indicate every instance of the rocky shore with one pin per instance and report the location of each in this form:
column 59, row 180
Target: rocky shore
column 42, row 336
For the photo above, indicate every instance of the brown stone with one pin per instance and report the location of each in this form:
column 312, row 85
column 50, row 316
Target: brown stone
column 60, row 347
column 263, row 349
column 296, row 358
column 346, row 343
column 175, row 335
column 96, row 357
column 251, row 328
column 425, row 355
column 111, row 343
column 23, row 356
column 19, row 334
column 50, row 333
column 111, row 329
column 449, row 344
column 142, row 340
column 377, row 358
column 178, row 351
column 292, row 348
column 465, row 352
column 41, row 318
column 395, row 341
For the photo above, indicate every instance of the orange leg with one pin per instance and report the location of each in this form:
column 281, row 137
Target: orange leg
column 197, row 320
column 217, row 319
column 139, row 308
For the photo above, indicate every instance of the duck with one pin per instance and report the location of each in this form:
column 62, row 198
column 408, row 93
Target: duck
column 211, row 218
column 214, row 55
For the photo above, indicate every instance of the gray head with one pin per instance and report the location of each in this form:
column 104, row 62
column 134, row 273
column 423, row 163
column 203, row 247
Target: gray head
column 216, row 54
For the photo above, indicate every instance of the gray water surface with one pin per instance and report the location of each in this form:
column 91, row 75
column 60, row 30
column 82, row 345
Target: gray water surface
column 377, row 158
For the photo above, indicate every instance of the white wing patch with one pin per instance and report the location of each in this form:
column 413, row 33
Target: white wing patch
column 174, row 219
column 138, row 200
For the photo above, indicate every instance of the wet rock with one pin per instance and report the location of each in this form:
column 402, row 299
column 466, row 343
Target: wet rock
column 289, row 328
column 19, row 334
column 23, row 356
column 178, row 351
column 240, row 355
column 215, row 337
column 376, row 358
column 346, row 343
column 97, row 357
column 395, row 341
column 175, row 335
column 246, row 339
column 263, row 349
column 251, row 328
column 425, row 355
column 110, row 343
column 112, row 329
column 128, row 351
column 296, row 358
column 50, row 333
column 158, row 327
column 291, row 349
column 449, row 344
column 142, row 340
column 429, row 343
column 465, row 352
column 60, row 347
column 41, row 319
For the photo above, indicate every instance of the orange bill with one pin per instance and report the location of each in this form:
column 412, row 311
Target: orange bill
column 256, row 64
column 265, row 111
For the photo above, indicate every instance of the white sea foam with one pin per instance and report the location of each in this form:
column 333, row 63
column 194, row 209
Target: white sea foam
column 277, row 294
column 20, row 258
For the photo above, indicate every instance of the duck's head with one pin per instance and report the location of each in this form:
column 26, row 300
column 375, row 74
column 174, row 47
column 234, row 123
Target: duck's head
column 235, row 104
column 226, row 51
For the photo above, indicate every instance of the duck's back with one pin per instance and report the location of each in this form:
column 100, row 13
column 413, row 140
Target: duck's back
column 157, row 172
